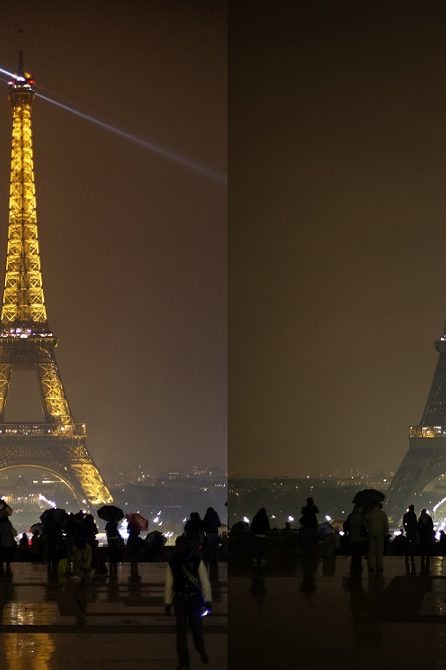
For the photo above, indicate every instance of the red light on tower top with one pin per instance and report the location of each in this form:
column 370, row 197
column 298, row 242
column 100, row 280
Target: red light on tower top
column 23, row 82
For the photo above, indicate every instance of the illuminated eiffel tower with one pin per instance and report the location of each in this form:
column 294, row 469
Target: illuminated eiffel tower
column 421, row 477
column 57, row 444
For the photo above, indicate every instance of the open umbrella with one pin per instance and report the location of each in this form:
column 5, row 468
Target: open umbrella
column 368, row 497
column 137, row 521
column 38, row 527
column 55, row 514
column 110, row 513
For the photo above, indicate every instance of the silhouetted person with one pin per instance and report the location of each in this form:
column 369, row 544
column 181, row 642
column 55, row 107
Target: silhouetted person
column 377, row 526
column 288, row 530
column 260, row 523
column 309, row 524
column 399, row 544
column 426, row 531
column 91, row 530
column 8, row 545
column 70, row 527
column 193, row 530
column 53, row 542
column 355, row 527
column 410, row 525
column 115, row 546
column 23, row 542
column 134, row 543
column 189, row 589
column 240, row 528
column 155, row 542
column 211, row 524
column 442, row 542
column 36, row 546
column 260, row 527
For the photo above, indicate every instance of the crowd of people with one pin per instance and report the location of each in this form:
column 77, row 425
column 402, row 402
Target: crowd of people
column 68, row 543
column 364, row 533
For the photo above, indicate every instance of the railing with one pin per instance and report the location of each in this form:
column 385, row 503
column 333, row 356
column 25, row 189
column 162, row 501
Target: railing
column 42, row 430
column 427, row 431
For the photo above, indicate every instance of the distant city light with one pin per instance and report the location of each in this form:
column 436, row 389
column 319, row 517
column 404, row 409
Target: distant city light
column 290, row 518
column 51, row 503
column 328, row 517
column 245, row 519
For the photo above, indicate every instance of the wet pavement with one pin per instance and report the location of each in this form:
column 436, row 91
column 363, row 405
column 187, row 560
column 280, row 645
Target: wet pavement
column 98, row 625
column 318, row 616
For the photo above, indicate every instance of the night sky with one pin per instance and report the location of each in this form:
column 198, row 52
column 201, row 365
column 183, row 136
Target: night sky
column 133, row 246
column 337, row 217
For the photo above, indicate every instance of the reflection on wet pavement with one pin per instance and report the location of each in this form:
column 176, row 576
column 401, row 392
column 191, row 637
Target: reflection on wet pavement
column 115, row 625
column 33, row 652
column 321, row 616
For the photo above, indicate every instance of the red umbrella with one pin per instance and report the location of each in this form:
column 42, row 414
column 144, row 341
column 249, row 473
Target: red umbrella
column 137, row 521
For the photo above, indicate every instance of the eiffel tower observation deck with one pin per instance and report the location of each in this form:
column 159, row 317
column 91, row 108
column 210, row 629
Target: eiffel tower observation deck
column 58, row 443
column 421, row 478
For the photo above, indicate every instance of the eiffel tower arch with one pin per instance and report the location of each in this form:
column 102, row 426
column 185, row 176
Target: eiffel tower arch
column 58, row 443
column 421, row 478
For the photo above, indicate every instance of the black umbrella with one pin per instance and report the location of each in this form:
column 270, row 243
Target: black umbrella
column 55, row 514
column 368, row 497
column 38, row 527
column 110, row 513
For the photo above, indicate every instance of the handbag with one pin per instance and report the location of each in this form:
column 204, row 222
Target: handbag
column 195, row 582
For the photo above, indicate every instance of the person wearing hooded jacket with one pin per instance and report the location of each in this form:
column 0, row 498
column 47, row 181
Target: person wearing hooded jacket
column 187, row 587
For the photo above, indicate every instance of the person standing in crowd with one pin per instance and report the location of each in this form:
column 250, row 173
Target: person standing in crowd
column 426, row 531
column 8, row 545
column 52, row 542
column 410, row 525
column 211, row 524
column 377, row 525
column 260, row 523
column 82, row 557
column 188, row 588
column 36, row 546
column 115, row 546
column 193, row 530
column 134, row 543
column 91, row 530
column 309, row 524
column 260, row 527
column 357, row 534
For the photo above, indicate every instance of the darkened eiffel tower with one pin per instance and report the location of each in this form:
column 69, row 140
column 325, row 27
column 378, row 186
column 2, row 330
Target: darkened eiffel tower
column 57, row 444
column 421, row 477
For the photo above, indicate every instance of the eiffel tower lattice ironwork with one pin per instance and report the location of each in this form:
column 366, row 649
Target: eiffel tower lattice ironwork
column 57, row 444
column 421, row 477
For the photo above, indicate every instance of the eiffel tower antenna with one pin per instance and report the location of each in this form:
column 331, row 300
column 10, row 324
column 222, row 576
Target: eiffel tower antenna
column 57, row 444
column 20, row 68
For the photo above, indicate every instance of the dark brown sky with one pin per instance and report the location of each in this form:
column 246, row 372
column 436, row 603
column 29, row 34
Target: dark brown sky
column 337, row 230
column 133, row 246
